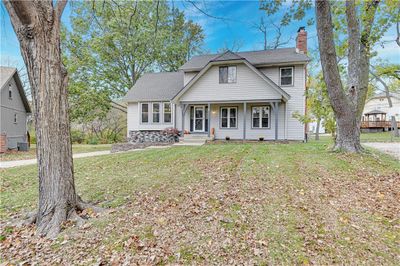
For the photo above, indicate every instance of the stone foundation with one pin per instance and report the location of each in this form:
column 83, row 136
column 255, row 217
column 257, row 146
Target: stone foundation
column 152, row 136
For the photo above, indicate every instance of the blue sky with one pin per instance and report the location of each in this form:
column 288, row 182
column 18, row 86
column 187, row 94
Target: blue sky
column 236, row 31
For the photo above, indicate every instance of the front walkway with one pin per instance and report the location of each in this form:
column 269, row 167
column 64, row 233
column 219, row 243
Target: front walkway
column 9, row 164
column 386, row 147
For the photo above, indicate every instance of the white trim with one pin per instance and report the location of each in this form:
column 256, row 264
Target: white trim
column 260, row 118
column 278, row 89
column 202, row 107
column 228, row 117
column 163, row 112
column 148, row 113
column 159, row 113
column 280, row 76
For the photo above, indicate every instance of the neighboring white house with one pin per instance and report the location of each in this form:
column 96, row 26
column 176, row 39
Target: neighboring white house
column 14, row 109
column 243, row 95
column 379, row 104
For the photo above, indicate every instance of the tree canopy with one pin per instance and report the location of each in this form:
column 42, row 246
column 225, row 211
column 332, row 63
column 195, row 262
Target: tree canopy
column 110, row 45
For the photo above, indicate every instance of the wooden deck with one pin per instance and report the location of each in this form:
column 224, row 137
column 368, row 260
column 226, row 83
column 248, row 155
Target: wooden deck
column 377, row 124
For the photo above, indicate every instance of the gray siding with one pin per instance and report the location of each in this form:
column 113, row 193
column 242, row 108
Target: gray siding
column 188, row 77
column 295, row 129
column 134, row 117
column 249, row 86
column 16, row 132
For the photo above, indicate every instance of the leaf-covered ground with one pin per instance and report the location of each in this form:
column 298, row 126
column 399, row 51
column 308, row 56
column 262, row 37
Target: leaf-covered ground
column 219, row 204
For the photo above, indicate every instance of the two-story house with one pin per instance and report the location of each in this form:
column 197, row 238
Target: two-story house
column 243, row 95
column 14, row 109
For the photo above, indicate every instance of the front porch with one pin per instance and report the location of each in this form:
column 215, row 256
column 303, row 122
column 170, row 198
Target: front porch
column 236, row 120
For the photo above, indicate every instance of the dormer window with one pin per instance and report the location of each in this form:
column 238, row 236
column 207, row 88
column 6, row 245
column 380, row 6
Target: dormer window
column 286, row 76
column 227, row 74
column 9, row 91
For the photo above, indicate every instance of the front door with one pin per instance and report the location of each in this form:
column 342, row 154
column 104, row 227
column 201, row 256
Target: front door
column 199, row 119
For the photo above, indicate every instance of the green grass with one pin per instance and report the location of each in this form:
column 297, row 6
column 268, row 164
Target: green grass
column 31, row 154
column 379, row 137
column 267, row 203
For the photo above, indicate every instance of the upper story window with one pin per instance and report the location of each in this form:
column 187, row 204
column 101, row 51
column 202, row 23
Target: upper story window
column 167, row 113
column 9, row 91
column 228, row 117
column 260, row 116
column 15, row 118
column 286, row 76
column 145, row 112
column 227, row 74
column 156, row 112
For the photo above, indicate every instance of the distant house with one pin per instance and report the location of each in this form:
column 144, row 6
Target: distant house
column 244, row 95
column 377, row 113
column 14, row 109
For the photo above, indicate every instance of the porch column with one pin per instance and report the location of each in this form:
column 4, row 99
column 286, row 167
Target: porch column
column 275, row 107
column 209, row 119
column 183, row 107
column 244, row 119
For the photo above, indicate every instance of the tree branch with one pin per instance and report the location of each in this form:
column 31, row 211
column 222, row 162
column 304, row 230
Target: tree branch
column 387, row 92
column 60, row 8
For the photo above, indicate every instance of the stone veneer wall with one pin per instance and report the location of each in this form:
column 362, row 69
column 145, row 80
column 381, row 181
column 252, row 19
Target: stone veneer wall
column 151, row 136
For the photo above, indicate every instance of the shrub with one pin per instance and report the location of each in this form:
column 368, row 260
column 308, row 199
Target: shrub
column 77, row 136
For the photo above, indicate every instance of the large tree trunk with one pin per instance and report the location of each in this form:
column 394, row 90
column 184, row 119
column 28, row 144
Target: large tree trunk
column 37, row 25
column 347, row 135
column 347, row 104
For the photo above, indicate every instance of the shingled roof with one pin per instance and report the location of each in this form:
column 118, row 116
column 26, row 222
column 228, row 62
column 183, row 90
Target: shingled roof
column 256, row 58
column 6, row 73
column 156, row 87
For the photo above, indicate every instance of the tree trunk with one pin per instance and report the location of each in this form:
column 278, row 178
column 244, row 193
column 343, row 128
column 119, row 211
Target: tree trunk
column 348, row 131
column 317, row 130
column 37, row 25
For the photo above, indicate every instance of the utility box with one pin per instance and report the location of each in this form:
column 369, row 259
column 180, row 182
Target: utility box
column 23, row 146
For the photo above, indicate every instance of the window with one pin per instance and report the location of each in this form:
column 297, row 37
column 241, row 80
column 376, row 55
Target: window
column 156, row 112
column 15, row 118
column 145, row 112
column 227, row 74
column 286, row 74
column 167, row 113
column 260, row 117
column 228, row 117
column 9, row 91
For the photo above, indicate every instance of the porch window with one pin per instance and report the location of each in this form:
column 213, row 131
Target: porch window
column 286, row 74
column 145, row 112
column 227, row 74
column 228, row 117
column 260, row 116
column 167, row 113
column 156, row 112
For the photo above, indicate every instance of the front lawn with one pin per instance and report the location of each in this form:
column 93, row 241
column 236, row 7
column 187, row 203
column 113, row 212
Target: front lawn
column 31, row 154
column 220, row 204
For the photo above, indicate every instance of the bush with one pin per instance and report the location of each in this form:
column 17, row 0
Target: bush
column 93, row 141
column 77, row 136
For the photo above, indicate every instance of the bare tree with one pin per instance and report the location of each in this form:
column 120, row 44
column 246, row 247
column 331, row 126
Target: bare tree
column 276, row 41
column 348, row 103
column 37, row 25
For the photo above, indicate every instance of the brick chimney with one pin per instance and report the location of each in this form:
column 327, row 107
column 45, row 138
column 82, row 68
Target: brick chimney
column 301, row 40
